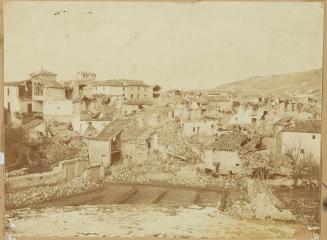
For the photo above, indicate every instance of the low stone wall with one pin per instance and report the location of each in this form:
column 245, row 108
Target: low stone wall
column 67, row 170
column 43, row 195
column 34, row 180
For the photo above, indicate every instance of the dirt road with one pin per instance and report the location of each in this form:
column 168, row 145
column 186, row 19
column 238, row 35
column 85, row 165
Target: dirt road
column 143, row 194
column 125, row 220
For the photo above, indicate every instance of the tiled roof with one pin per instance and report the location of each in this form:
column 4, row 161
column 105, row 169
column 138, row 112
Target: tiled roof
column 176, row 99
column 134, row 133
column 253, row 144
column 229, row 142
column 52, row 84
column 139, row 102
column 113, row 129
column 308, row 126
column 237, row 141
column 16, row 83
column 33, row 123
column 121, row 83
column 70, row 83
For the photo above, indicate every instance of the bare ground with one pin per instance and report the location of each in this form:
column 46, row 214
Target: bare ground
column 142, row 221
column 303, row 203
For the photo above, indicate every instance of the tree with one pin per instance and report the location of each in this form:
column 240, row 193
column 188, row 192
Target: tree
column 262, row 165
column 20, row 152
column 302, row 163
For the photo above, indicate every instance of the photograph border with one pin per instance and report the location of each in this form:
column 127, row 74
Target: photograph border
column 323, row 163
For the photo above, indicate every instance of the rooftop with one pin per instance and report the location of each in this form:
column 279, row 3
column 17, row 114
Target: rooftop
column 52, row 84
column 229, row 142
column 121, row 83
column 307, row 126
column 113, row 129
column 145, row 101
column 33, row 123
column 237, row 141
column 43, row 72
column 16, row 83
column 134, row 133
column 176, row 99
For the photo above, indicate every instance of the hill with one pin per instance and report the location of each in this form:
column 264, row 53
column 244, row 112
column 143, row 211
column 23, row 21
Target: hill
column 308, row 82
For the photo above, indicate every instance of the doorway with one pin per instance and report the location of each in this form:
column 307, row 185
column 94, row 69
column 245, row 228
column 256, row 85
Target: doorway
column 29, row 107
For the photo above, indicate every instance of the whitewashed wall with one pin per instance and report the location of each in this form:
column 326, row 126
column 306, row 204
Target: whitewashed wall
column 309, row 142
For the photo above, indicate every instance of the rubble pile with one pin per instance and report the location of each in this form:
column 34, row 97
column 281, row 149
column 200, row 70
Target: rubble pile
column 258, row 202
column 168, row 135
column 129, row 171
column 66, row 144
column 168, row 170
column 47, row 193
column 19, row 172
column 184, row 151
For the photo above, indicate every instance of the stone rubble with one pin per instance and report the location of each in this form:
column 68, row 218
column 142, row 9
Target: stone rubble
column 172, row 170
column 258, row 202
column 47, row 193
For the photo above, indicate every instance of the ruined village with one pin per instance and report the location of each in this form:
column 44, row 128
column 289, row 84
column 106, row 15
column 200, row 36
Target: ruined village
column 249, row 154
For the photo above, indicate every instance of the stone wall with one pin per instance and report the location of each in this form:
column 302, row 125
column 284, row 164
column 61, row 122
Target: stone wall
column 66, row 171
column 93, row 173
column 99, row 152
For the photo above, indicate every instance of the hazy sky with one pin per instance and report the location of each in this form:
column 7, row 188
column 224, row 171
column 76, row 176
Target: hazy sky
column 197, row 45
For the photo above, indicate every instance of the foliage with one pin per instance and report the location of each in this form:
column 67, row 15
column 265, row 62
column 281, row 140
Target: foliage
column 58, row 151
column 303, row 164
column 20, row 152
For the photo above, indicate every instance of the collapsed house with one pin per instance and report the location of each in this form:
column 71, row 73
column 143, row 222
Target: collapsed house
column 124, row 138
column 134, row 105
column 224, row 154
column 136, row 144
column 106, row 147
column 203, row 126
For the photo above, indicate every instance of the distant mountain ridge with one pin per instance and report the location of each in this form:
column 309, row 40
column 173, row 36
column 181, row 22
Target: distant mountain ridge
column 308, row 82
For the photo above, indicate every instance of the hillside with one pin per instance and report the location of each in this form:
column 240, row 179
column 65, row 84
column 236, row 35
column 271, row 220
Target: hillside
column 281, row 84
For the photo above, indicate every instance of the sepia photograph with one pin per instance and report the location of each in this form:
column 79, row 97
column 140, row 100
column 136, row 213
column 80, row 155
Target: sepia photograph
column 163, row 119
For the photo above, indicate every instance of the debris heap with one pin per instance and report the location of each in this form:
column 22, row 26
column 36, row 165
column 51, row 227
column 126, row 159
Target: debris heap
column 258, row 202
column 42, row 194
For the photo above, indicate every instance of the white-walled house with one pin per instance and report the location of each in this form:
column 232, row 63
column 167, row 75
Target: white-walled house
column 106, row 147
column 305, row 135
column 225, row 152
column 58, row 110
column 17, row 100
column 129, row 89
column 247, row 115
column 229, row 160
column 14, row 99
column 199, row 127
column 40, row 94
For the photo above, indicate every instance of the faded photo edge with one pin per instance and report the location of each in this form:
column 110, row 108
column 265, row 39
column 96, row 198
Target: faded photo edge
column 323, row 163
